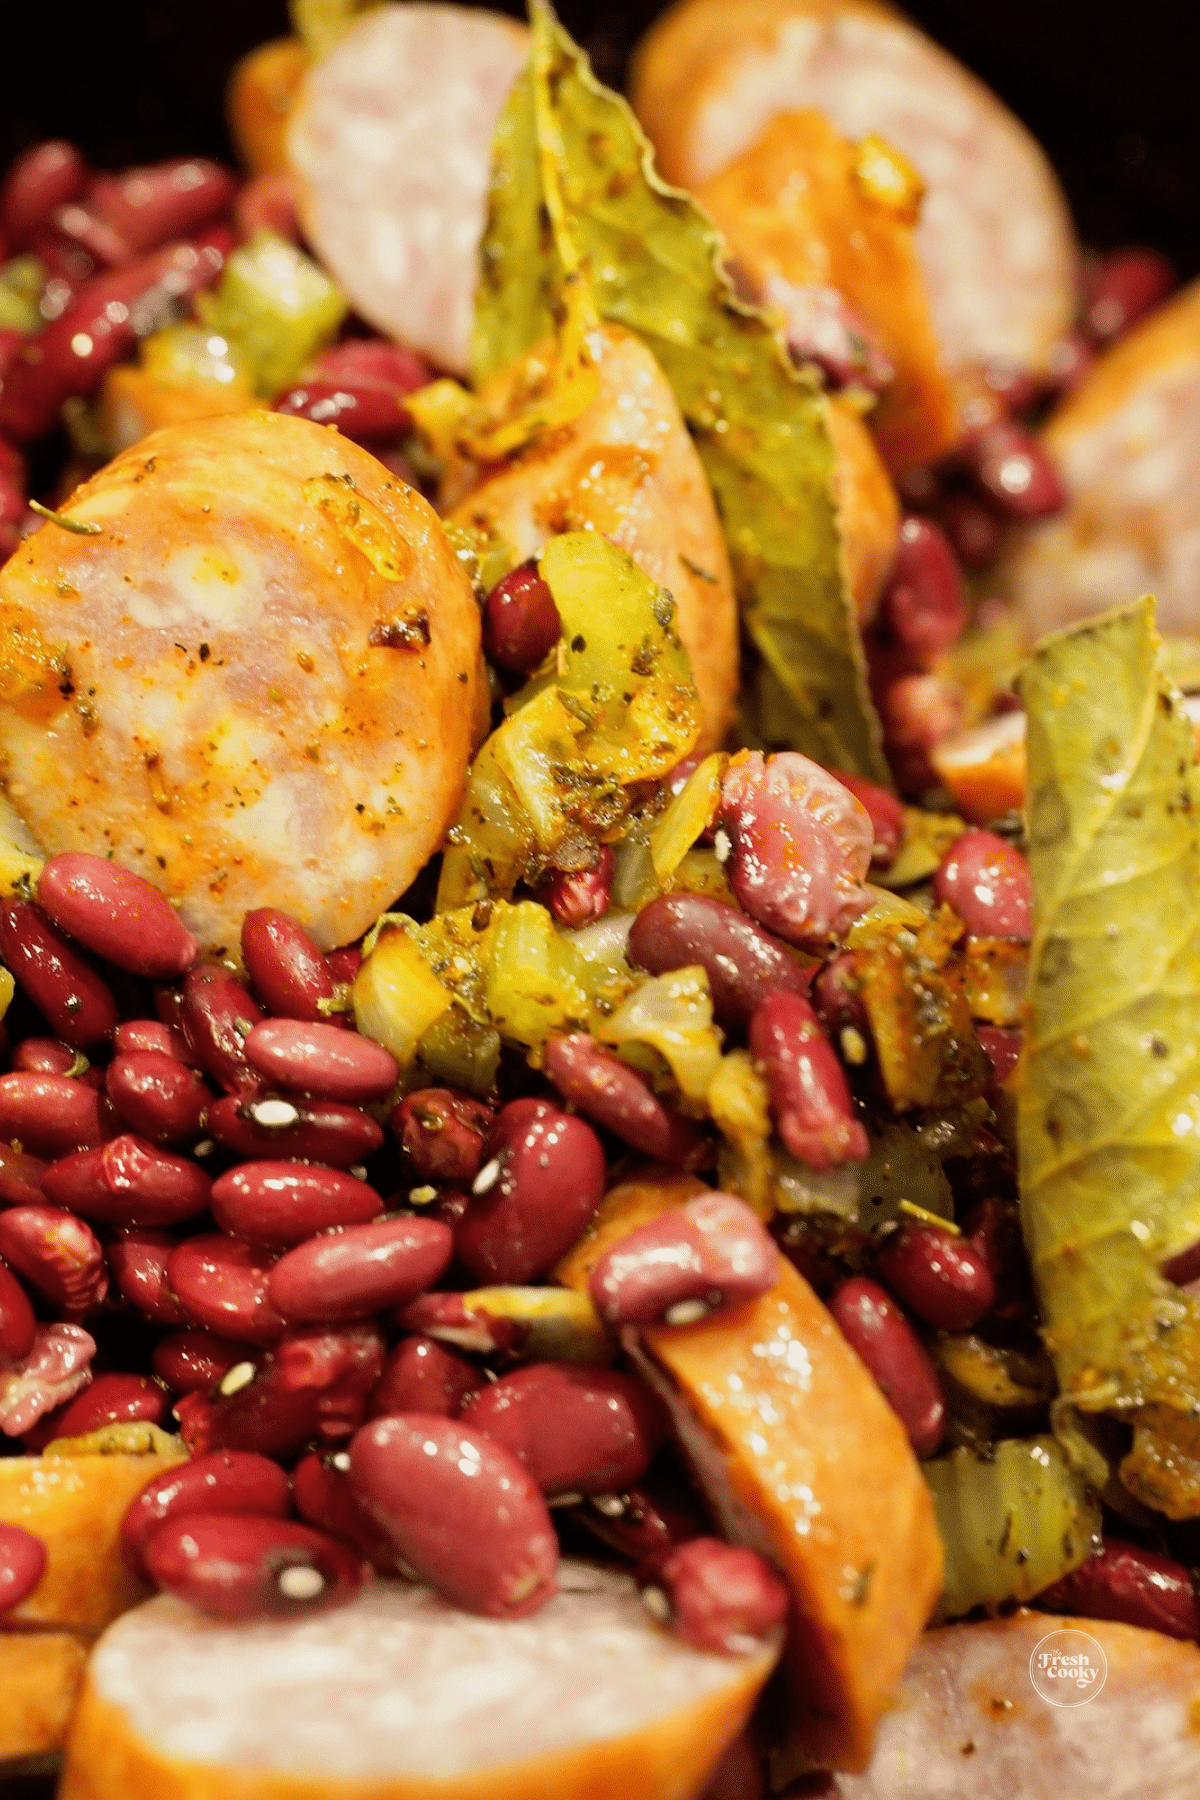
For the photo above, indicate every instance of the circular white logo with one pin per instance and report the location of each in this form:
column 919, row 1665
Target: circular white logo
column 1068, row 1668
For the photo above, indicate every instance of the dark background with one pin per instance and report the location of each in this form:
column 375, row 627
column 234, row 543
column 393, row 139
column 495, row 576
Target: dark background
column 1110, row 88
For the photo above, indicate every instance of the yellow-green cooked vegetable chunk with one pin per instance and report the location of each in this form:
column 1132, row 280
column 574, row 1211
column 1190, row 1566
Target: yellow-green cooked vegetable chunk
column 277, row 307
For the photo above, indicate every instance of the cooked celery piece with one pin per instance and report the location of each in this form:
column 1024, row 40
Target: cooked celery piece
column 996, row 980
column 690, row 813
column 124, row 1437
column 899, row 1167
column 186, row 354
column 536, row 750
column 460, row 1052
column 911, row 979
column 22, row 279
column 1012, row 1520
column 927, row 837
column 673, row 1015
column 999, row 1375
column 739, row 1104
column 491, row 841
column 396, row 996
column 276, row 306
column 532, row 986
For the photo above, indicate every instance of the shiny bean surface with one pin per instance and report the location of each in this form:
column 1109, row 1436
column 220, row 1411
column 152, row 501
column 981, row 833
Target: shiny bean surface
column 138, row 1259
column 923, row 605
column 360, row 1269
column 46, row 1056
column 157, row 1096
column 288, row 970
column 269, row 1128
column 76, row 1003
column 743, row 962
column 22, row 1562
column 244, row 1566
column 17, row 1322
column 598, row 1083
column 165, row 200
column 943, row 1277
column 282, row 1203
column 721, row 1597
column 520, row 620
column 885, row 813
column 192, row 1361
column 50, row 1115
column 810, row 1097
column 47, row 176
column 128, row 1182
column 311, row 1387
column 57, row 1252
column 535, row 1195
column 1122, row 288
column 443, row 1133
column 580, row 897
column 225, row 1481
column 460, row 1509
column 837, row 997
column 109, row 1400
column 20, row 1177
column 217, row 1015
column 323, row 1496
column 576, row 1430
column 710, row 1253
column 152, row 1034
column 986, row 880
column 1014, row 472
column 423, row 1376
column 1002, row 1048
column 1131, row 1586
column 642, row 1523
column 322, row 1060
column 221, row 1282
column 117, row 914
column 874, row 1326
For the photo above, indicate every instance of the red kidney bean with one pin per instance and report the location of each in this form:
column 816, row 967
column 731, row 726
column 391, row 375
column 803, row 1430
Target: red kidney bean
column 75, row 1001
column 20, row 1177
column 222, row 1284
column 1015, row 387
column 360, row 1269
column 117, row 914
column 973, row 529
column 345, row 963
column 521, row 624
column 22, row 1560
column 420, row 1375
column 585, row 1431
column 128, row 1182
column 941, row 1276
column 227, row 1481
column 924, row 605
column 81, row 224
column 742, row 961
column 138, row 1259
column 45, row 1056
column 288, row 970
column 1012, row 469
column 279, row 1204
column 323, row 1497
column 614, row 1095
column 739, row 1774
column 986, row 881
column 460, row 1509
column 17, row 1323
column 270, row 1128
column 168, row 1006
column 193, row 1361
column 150, row 1034
column 837, row 996
column 719, row 1596
column 48, row 176
column 243, row 1566
column 582, row 896
column 917, row 712
column 885, row 812
column 218, row 1014
column 643, row 1523
column 535, row 1195
column 57, row 1366
column 57, row 1252
column 109, row 1400
column 313, row 1385
column 356, row 361
column 1130, row 1586
column 158, row 1097
column 800, row 846
column 267, row 203
column 810, row 1097
column 443, row 1133
column 367, row 412
column 877, row 1329
column 446, row 1318
column 1123, row 288
column 50, row 1115
column 1002, row 1047
column 706, row 1255
column 322, row 1060
column 147, row 206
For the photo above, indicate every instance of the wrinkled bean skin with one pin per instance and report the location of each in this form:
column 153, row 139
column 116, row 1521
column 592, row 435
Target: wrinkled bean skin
column 643, row 1523
column 722, row 1597
column 138, row 1260
column 422, row 1376
column 48, row 176
column 576, row 1430
column 225, row 1481
column 110, row 1400
column 1121, row 289
column 221, row 1283
column 884, row 811
column 75, row 1002
column 288, row 970
column 20, row 1177
column 876, row 1328
column 460, row 1509
column 699, row 1258
column 22, row 1561
column 598, row 1083
column 579, row 897
column 1130, row 1586
column 57, row 1365
column 443, row 1133
column 321, row 1059
column 57, row 1252
column 942, row 1277
column 313, row 1385
column 742, row 961
column 800, row 846
column 1013, row 472
column 17, row 1322
column 325, row 1131
column 550, row 1180
column 323, row 1496
column 193, row 1361
column 810, row 1097
column 923, row 605
column 360, row 1269
column 986, row 880
column 521, row 624
column 117, row 914
column 279, row 1204
column 218, row 1013
column 128, row 1182
column 235, row 1566
column 157, row 1097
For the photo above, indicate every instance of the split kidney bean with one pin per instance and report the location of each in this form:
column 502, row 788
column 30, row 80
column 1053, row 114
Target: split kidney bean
column 643, row 1523
column 576, row 1430
column 270, row 1128
column 721, row 1597
column 874, row 1327
column 944, row 1278
column 710, row 1253
column 286, row 967
column 109, row 1400
column 535, row 1195
column 147, row 206
column 133, row 1035
column 743, row 962
column 75, row 1002
column 20, row 1177
column 800, row 846
column 117, row 914
column 57, row 1365
column 1011, row 468
column 443, row 1133
column 324, row 1497
column 17, row 1323
column 138, row 1259
column 57, row 1252
column 244, row 1566
column 192, row 1361
column 22, row 1561
column 279, row 1204
column 986, row 880
column 1123, row 288
column 48, row 176
column 157, row 1096
column 613, row 1095
column 580, row 897
column 460, row 1509
column 924, row 606
column 421, row 1375
column 218, row 1014
column 1130, row 1586
column 226, row 1481
column 521, row 623
column 884, row 811
column 128, row 1182
column 810, row 1097
column 360, row 1269
column 221, row 1283
column 321, row 1059
column 313, row 1385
